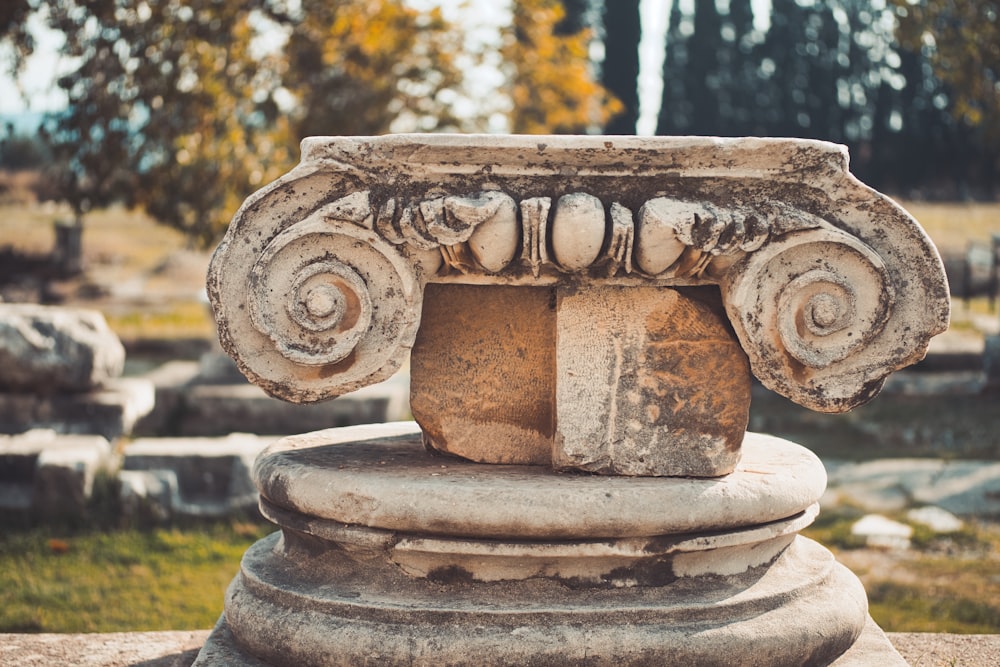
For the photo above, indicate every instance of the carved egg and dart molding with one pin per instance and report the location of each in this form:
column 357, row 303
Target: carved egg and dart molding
column 703, row 259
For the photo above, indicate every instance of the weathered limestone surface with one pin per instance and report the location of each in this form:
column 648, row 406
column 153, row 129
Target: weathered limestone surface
column 376, row 529
column 112, row 649
column 650, row 382
column 497, row 344
column 377, row 476
column 178, row 649
column 781, row 197
column 566, row 301
column 48, row 474
column 46, row 349
column 320, row 284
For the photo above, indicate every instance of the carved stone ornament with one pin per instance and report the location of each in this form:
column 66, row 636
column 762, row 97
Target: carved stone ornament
column 583, row 304
column 829, row 286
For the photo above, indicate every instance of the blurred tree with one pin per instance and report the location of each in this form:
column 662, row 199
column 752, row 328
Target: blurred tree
column 371, row 66
column 574, row 17
column 168, row 109
column 550, row 78
column 961, row 40
column 186, row 107
column 784, row 71
column 702, row 73
column 739, row 67
column 620, row 71
column 14, row 29
column 964, row 48
column 711, row 79
column 675, row 107
column 20, row 152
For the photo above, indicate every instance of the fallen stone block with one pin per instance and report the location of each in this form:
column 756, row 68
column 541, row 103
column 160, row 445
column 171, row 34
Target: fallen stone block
column 48, row 474
column 964, row 488
column 110, row 411
column 171, row 381
column 46, row 349
column 187, row 407
column 147, row 494
column 207, row 477
column 935, row 518
column 991, row 364
column 879, row 531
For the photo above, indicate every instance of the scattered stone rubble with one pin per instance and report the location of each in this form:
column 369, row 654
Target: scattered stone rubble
column 202, row 477
column 66, row 411
column 60, row 368
column 49, row 474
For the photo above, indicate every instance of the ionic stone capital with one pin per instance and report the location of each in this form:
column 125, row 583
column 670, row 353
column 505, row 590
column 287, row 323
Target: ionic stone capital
column 829, row 285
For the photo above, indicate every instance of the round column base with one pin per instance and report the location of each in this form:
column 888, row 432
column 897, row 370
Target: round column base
column 390, row 555
column 802, row 609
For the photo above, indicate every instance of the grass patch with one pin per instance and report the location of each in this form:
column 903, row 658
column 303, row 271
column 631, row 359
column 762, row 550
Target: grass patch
column 908, row 608
column 121, row 580
column 180, row 319
column 945, row 583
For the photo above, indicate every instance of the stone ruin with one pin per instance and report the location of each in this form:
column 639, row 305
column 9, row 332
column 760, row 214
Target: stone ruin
column 582, row 317
column 62, row 401
column 66, row 413
column 60, row 368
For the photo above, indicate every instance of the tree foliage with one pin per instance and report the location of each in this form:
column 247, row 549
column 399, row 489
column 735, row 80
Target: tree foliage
column 837, row 70
column 620, row 70
column 550, row 78
column 20, row 152
column 962, row 40
column 371, row 66
column 186, row 106
column 14, row 29
column 168, row 108
column 181, row 108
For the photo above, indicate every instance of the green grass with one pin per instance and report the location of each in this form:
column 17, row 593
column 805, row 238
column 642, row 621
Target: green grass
column 944, row 583
column 957, row 593
column 178, row 319
column 910, row 608
column 119, row 580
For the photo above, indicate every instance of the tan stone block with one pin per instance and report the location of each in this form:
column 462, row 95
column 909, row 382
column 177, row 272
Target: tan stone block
column 650, row 382
column 483, row 372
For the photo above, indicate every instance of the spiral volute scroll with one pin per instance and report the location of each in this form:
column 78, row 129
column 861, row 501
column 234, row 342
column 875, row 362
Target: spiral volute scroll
column 805, row 308
column 337, row 304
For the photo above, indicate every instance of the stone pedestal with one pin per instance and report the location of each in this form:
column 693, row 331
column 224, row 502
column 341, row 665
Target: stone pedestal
column 391, row 555
column 583, row 315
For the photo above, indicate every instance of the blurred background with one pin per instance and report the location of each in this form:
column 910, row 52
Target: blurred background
column 132, row 130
